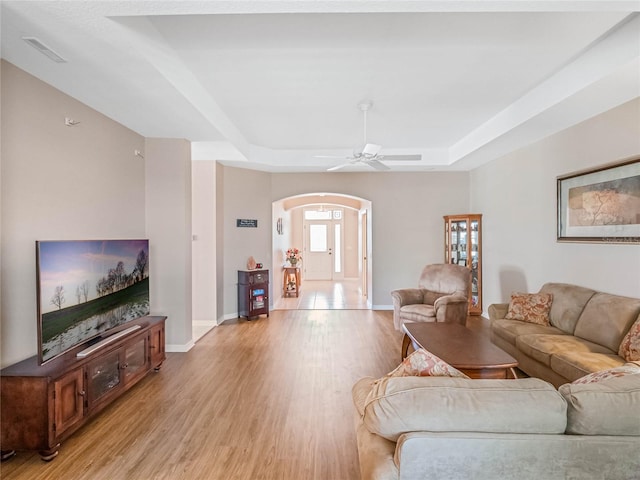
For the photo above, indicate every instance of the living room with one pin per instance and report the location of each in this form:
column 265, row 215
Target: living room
column 86, row 180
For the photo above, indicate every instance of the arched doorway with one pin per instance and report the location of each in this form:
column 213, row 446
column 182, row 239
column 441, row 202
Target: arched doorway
column 332, row 231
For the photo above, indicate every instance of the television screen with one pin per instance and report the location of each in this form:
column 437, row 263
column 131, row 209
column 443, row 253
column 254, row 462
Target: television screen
column 87, row 287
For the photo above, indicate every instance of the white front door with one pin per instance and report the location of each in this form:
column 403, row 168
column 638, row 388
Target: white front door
column 318, row 254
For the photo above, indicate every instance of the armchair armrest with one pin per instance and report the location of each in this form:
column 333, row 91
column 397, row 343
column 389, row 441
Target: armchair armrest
column 498, row 310
column 451, row 308
column 404, row 296
column 407, row 296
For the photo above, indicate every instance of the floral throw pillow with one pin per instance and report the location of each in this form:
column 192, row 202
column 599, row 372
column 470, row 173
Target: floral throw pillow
column 630, row 346
column 595, row 377
column 422, row 363
column 530, row 307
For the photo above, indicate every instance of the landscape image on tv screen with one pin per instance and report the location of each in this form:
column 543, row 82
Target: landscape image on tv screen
column 86, row 287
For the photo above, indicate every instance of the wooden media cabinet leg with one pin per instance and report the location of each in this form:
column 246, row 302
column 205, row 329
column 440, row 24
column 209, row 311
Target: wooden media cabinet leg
column 48, row 455
column 7, row 454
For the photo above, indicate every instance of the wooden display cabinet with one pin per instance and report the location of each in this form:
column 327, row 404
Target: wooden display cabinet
column 463, row 246
column 42, row 405
column 253, row 293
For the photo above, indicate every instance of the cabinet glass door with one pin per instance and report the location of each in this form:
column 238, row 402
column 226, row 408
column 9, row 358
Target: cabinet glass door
column 475, row 262
column 463, row 246
column 459, row 242
column 103, row 376
column 135, row 362
column 257, row 298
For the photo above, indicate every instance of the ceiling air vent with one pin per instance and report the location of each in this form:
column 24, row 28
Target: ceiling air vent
column 42, row 48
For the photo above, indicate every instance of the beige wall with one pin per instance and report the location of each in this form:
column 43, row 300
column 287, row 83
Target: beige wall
column 245, row 194
column 58, row 183
column 406, row 216
column 517, row 195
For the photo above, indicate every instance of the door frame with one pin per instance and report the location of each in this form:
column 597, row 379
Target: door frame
column 282, row 237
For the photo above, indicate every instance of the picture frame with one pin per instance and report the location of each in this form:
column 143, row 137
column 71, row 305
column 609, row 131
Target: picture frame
column 600, row 205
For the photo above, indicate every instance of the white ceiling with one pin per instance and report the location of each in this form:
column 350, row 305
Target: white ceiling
column 269, row 84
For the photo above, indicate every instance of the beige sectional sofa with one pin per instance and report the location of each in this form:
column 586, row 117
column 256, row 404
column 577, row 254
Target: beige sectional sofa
column 411, row 428
column 584, row 335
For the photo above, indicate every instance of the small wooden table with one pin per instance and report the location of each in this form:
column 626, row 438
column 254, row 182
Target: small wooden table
column 468, row 351
column 291, row 281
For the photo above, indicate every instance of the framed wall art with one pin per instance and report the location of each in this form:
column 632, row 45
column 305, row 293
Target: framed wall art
column 600, row 205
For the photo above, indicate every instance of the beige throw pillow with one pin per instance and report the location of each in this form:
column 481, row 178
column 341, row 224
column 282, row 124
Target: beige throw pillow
column 530, row 307
column 630, row 346
column 630, row 368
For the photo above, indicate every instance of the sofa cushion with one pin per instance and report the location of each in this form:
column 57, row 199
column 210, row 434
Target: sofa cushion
column 422, row 363
column 630, row 345
column 568, row 303
column 418, row 312
column 607, row 318
column 542, row 347
column 607, row 407
column 397, row 405
column 509, row 330
column 530, row 307
column 575, row 364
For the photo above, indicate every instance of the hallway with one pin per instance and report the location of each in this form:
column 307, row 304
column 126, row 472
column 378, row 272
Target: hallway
column 326, row 295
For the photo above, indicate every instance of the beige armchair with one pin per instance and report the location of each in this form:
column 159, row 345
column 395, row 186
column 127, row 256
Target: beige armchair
column 442, row 296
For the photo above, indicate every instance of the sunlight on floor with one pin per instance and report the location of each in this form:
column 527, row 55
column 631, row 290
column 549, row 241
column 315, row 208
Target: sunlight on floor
column 325, row 295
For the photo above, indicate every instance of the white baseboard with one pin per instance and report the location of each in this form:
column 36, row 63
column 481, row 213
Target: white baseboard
column 382, row 307
column 172, row 348
column 228, row 316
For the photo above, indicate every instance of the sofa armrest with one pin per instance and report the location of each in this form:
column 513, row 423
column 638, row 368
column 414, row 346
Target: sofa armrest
column 498, row 310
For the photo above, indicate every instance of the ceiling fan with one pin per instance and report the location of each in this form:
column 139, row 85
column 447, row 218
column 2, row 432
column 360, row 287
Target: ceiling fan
column 370, row 154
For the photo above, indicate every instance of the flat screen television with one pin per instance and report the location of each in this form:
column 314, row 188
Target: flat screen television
column 85, row 288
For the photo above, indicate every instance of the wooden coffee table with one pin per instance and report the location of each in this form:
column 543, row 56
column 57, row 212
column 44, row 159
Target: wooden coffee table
column 464, row 349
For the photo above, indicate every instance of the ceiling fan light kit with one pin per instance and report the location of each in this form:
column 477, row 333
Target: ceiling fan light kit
column 370, row 154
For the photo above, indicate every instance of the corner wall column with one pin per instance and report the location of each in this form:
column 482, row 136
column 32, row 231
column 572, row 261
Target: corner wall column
column 168, row 226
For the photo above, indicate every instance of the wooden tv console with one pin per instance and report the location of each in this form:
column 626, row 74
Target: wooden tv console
column 42, row 405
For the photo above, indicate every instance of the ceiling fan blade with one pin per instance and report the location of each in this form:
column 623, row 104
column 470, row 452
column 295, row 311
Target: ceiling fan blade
column 416, row 157
column 338, row 167
column 371, row 149
column 372, row 162
column 331, row 156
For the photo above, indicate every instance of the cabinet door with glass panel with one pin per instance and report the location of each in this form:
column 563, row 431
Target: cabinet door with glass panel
column 463, row 246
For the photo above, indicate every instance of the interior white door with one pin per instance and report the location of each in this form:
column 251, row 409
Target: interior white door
column 318, row 255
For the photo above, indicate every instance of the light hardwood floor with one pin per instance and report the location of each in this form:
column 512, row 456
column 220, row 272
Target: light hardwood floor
column 326, row 295
column 266, row 399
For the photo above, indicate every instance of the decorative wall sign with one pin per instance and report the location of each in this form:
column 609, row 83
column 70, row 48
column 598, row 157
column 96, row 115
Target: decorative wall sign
column 600, row 205
column 247, row 222
column 279, row 228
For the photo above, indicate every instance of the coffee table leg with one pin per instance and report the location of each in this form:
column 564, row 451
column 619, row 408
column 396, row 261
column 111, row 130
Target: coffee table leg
column 406, row 341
